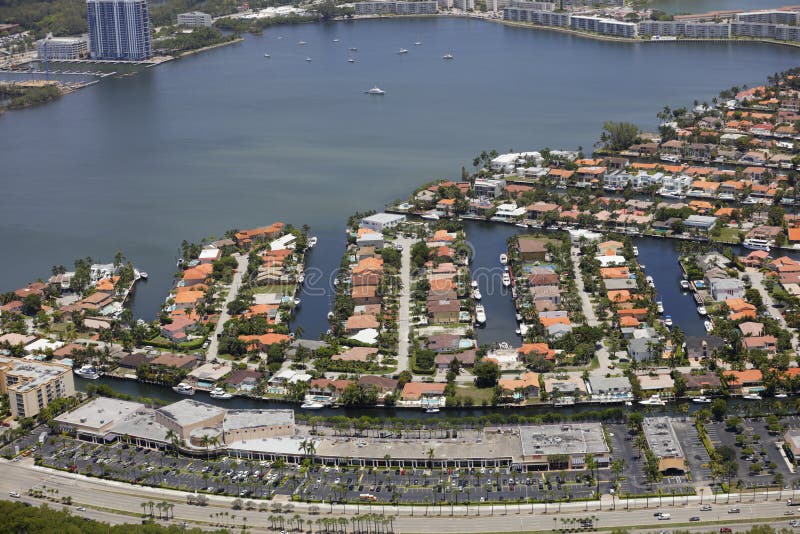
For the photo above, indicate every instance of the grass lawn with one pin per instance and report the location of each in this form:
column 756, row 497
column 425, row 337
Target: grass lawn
column 727, row 235
column 478, row 395
column 282, row 289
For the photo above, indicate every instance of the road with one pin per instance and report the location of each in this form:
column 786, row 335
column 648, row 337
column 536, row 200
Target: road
column 233, row 290
column 403, row 317
column 757, row 280
column 117, row 502
column 591, row 317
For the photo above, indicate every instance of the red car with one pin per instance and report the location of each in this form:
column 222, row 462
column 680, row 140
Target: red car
column 725, row 529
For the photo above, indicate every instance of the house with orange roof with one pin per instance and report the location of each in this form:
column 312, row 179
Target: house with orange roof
column 519, row 389
column 539, row 349
column 755, row 259
column 177, row 330
column 365, row 295
column 703, row 188
column 794, row 234
column 423, row 394
column 726, row 212
column 619, row 296
column 107, row 285
column 628, row 322
column 357, row 323
column 637, row 313
column 446, row 205
column 562, row 176
column 264, row 341
column 609, row 248
column 197, row 275
column 547, row 322
column 740, row 309
column 188, row 299
column 612, row 273
column 269, row 311
column 701, row 206
column 768, row 344
column 743, row 382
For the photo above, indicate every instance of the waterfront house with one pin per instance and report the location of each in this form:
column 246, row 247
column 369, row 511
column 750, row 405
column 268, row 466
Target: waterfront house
column 530, row 350
column 726, row 288
column 617, row 388
column 178, row 361
column 766, row 343
column 702, row 347
column 243, row 379
column 486, row 187
column 546, row 293
column 656, row 383
column 768, row 233
column 325, row 390
column 564, row 384
column 744, row 382
column 365, row 295
column 519, row 389
column 532, row 248
column 185, row 300
column 356, row 323
column 382, row 386
column 382, row 221
column 443, row 361
column 537, row 210
column 423, row 394
column 701, row 223
column 209, row 254
column 444, row 311
column 246, row 238
column 367, row 237
column 701, row 382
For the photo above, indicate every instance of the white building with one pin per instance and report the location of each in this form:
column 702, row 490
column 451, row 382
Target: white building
column 464, row 5
column 381, row 221
column 487, row 187
column 604, row 25
column 62, row 47
column 194, row 19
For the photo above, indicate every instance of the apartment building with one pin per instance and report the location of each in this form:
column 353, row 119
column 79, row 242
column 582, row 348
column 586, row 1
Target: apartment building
column 604, row 25
column 32, row 385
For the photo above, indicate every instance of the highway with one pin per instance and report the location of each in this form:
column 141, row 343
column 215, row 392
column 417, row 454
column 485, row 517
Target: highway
column 116, row 502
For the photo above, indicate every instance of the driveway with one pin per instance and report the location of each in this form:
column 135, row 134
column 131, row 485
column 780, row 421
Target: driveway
column 757, row 279
column 233, row 290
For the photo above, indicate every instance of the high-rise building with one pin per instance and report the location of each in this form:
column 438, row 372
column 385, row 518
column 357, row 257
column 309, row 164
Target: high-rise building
column 62, row 47
column 119, row 29
column 32, row 385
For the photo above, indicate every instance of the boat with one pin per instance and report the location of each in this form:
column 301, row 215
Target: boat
column 351, row 60
column 654, row 400
column 219, row 393
column 430, row 217
column 143, row 275
column 297, row 301
column 702, row 310
column 521, row 225
column 353, row 49
column 476, row 294
column 336, row 40
column 184, row 389
column 503, row 259
column 266, row 55
column 474, row 283
column 308, row 59
column 88, row 372
column 432, row 409
column 757, row 244
column 752, row 396
column 402, row 51
column 701, row 400
column 301, row 43
column 635, row 251
column 650, row 281
column 506, row 280
column 447, row 56
column 480, row 314
column 684, row 284
column 376, row 91
column 311, row 405
column 660, row 306
column 668, row 320
column 709, row 326
column 330, row 315
column 417, row 43
column 781, row 395
column 628, row 403
column 312, row 242
column 179, row 263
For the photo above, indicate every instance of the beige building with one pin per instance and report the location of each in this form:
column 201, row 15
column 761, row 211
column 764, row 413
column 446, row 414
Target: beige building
column 663, row 443
column 32, row 385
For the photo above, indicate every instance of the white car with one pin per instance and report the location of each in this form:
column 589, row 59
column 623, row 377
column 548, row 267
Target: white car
column 14, row 494
column 81, row 508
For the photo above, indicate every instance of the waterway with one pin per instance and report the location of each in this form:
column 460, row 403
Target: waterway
column 230, row 139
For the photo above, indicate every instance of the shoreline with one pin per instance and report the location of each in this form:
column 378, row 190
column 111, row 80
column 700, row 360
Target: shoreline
column 209, row 47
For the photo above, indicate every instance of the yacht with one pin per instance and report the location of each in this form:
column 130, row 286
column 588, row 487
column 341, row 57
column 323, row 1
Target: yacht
column 432, row 409
column 219, row 393
column 668, row 320
column 266, row 56
column 781, row 395
column 308, row 59
column 417, row 43
column 684, row 284
column 650, row 281
column 336, row 40
column 503, row 259
column 311, row 405
column 709, row 326
column 757, row 244
column 506, row 280
column 702, row 310
column 376, row 91
column 447, row 56
column 402, row 51
column 480, row 314
column 660, row 306
column 301, row 43
column 297, row 301
column 312, row 242
column 474, row 283
column 752, row 396
column 701, row 400
column 635, row 251
column 351, row 60
column 88, row 372
column 431, row 217
column 521, row 225
column 654, row 400
column 184, row 389
column 476, row 294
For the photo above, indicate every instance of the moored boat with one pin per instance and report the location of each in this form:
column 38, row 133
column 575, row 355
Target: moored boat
column 654, row 400
column 660, row 306
column 701, row 400
column 709, row 326
column 432, row 409
column 312, row 242
column 311, row 405
column 684, row 284
column 506, row 279
column 184, row 389
column 477, row 294
column 668, row 320
column 480, row 314
column 752, row 396
column 702, row 310
column 219, row 393
column 757, row 244
column 503, row 259
column 88, row 372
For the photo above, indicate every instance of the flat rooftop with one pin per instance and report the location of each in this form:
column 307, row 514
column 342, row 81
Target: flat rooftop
column 99, row 412
column 31, row 374
column 235, row 419
column 661, row 437
column 188, row 412
column 583, row 438
column 142, row 425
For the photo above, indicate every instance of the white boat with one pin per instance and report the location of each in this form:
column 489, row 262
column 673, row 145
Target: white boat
column 353, row 49
column 311, row 405
column 654, row 400
column 308, row 59
column 757, row 244
column 635, row 251
column 402, row 51
column 702, row 310
column 701, row 400
column 660, row 306
column 476, row 294
column 351, row 60
column 781, row 395
column 752, row 396
column 506, row 280
column 417, row 43
column 336, row 40
column 650, row 281
column 480, row 314
column 503, row 259
column 447, row 56
column 431, row 217
column 266, row 55
column 184, row 389
column 628, row 403
column 376, row 91
column 297, row 302
column 432, row 409
column 301, row 43
column 521, row 225
column 668, row 320
column 312, row 242
column 330, row 315
column 684, row 284
column 474, row 283
column 219, row 393
column 88, row 372
column 143, row 275
column 709, row 326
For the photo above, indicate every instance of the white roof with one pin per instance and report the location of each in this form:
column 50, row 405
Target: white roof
column 43, row 345
column 383, row 218
column 283, row 242
column 368, row 335
column 208, row 253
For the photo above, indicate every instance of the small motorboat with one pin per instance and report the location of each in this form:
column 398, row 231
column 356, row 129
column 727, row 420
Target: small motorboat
column 654, row 400
column 330, row 315
column 668, row 321
column 402, row 51
column 628, row 403
column 521, row 225
column 312, row 242
column 684, row 284
column 312, row 405
column 432, row 409
column 143, row 275
column 781, row 395
column 297, row 301
column 447, row 56
column 660, row 306
column 752, row 396
column 184, row 389
column 474, row 283
column 635, row 251
column 417, row 43
column 219, row 393
column 480, row 314
column 701, row 400
column 506, row 279
column 308, row 59
column 88, row 372
column 301, row 43
column 650, row 281
column 266, row 56
column 709, row 326
column 503, row 259
column 375, row 91
column 702, row 310
column 353, row 49
column 476, row 294
column 336, row 40
column 351, row 60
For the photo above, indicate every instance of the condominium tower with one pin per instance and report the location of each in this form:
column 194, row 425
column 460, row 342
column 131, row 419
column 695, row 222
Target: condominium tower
column 119, row 29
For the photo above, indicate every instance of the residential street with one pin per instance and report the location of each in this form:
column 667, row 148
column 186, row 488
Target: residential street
column 591, row 316
column 405, row 304
column 757, row 279
column 233, row 290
